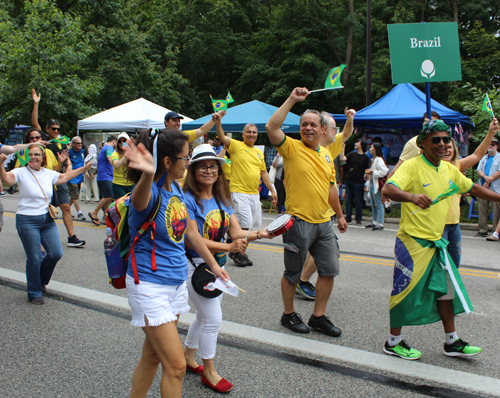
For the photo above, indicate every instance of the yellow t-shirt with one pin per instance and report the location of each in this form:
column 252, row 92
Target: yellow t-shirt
column 410, row 150
column 227, row 168
column 246, row 165
column 119, row 176
column 335, row 149
column 419, row 176
column 191, row 135
column 309, row 174
column 453, row 216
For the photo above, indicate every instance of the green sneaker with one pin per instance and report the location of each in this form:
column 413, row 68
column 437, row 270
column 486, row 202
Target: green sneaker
column 460, row 348
column 402, row 350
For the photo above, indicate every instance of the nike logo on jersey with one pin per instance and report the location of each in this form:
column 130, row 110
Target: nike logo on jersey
column 426, row 185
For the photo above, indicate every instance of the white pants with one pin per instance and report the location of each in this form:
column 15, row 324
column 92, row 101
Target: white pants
column 203, row 332
column 91, row 187
column 247, row 208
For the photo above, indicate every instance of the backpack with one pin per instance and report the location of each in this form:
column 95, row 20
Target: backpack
column 117, row 258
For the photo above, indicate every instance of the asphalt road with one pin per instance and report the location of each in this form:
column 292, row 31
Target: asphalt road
column 80, row 343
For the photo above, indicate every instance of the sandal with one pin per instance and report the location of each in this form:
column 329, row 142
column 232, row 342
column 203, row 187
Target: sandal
column 94, row 220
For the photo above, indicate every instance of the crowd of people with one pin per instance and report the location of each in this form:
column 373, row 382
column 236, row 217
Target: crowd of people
column 208, row 208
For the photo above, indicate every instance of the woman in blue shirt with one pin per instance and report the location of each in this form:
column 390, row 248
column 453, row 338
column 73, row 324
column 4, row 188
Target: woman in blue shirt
column 157, row 293
column 206, row 189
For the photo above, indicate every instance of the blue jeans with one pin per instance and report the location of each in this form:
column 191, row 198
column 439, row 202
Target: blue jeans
column 378, row 206
column 33, row 231
column 354, row 192
column 453, row 235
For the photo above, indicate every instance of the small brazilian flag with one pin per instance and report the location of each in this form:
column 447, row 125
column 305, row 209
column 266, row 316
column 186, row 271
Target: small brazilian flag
column 229, row 98
column 452, row 190
column 487, row 105
column 23, row 157
column 333, row 78
column 219, row 105
column 61, row 140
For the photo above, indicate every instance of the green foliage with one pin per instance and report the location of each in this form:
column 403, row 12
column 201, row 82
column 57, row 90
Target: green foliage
column 90, row 55
column 44, row 52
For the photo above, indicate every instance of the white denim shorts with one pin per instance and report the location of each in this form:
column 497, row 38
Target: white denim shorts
column 247, row 207
column 159, row 303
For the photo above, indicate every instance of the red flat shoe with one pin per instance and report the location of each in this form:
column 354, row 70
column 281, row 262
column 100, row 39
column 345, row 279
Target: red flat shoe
column 198, row 370
column 222, row 386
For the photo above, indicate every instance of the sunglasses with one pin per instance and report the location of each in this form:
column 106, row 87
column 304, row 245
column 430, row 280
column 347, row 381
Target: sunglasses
column 77, row 143
column 437, row 140
column 55, row 128
column 35, row 138
column 121, row 141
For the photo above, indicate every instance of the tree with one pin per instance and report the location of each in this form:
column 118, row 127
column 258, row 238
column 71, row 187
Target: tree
column 44, row 50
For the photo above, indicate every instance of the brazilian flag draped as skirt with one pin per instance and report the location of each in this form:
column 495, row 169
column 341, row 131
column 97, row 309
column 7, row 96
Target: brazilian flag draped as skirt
column 420, row 273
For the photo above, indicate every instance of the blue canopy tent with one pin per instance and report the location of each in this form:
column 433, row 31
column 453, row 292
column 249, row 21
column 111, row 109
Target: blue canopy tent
column 403, row 108
column 255, row 112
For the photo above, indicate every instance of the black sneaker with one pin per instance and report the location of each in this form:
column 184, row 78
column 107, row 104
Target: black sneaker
column 480, row 234
column 75, row 242
column 323, row 324
column 460, row 348
column 294, row 322
column 238, row 259
column 37, row 300
column 370, row 225
column 247, row 260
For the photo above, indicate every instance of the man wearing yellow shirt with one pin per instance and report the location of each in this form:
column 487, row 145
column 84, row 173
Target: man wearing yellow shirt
column 426, row 284
column 248, row 166
column 311, row 190
column 333, row 141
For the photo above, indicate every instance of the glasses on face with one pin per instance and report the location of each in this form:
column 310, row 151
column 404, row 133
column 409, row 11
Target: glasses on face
column 203, row 168
column 437, row 140
column 77, row 143
column 336, row 129
column 55, row 128
column 35, row 138
column 34, row 155
column 186, row 159
column 121, row 141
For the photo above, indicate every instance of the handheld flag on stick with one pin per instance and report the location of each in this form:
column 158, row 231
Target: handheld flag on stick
column 229, row 98
column 61, row 140
column 332, row 81
column 23, row 157
column 219, row 105
column 452, row 190
column 487, row 106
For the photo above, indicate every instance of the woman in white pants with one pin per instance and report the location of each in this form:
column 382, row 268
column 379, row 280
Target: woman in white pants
column 207, row 196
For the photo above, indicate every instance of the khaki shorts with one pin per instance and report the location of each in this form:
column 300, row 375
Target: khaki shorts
column 74, row 190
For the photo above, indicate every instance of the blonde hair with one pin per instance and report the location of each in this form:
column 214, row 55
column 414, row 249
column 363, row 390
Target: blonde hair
column 44, row 158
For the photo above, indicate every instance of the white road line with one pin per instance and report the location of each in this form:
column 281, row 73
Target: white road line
column 454, row 378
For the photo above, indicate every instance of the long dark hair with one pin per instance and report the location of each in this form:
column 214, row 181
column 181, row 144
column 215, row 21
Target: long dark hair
column 220, row 188
column 170, row 144
column 378, row 151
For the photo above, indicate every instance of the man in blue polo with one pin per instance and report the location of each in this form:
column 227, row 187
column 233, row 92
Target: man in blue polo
column 77, row 158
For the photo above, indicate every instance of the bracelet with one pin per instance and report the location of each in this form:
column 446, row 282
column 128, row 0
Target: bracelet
column 258, row 237
column 411, row 196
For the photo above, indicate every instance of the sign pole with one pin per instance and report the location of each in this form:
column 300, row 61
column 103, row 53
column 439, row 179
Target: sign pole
column 428, row 100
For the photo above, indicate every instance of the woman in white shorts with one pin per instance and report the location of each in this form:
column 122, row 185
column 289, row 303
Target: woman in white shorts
column 157, row 271
column 207, row 196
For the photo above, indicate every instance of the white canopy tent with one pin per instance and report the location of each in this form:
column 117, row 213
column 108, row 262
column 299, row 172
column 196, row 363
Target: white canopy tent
column 135, row 115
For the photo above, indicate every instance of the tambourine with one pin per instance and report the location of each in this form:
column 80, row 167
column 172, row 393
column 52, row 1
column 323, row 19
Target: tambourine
column 280, row 225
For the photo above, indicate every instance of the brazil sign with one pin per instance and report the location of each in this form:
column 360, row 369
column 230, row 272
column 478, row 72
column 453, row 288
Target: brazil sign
column 424, row 52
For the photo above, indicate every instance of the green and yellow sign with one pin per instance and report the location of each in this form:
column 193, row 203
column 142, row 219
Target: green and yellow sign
column 424, row 52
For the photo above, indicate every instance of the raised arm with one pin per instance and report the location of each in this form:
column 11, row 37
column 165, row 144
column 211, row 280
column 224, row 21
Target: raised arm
column 69, row 175
column 273, row 126
column 34, row 114
column 349, row 124
column 10, row 149
column 481, row 150
column 140, row 159
column 7, row 177
column 226, row 141
column 208, row 125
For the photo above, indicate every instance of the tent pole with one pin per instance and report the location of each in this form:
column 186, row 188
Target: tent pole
column 428, row 100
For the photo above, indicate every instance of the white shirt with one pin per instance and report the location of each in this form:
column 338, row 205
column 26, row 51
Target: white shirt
column 31, row 199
